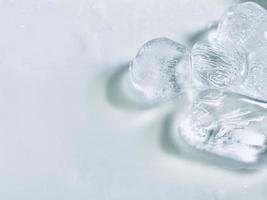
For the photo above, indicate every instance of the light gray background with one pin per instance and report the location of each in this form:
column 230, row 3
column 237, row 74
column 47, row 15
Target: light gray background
column 65, row 130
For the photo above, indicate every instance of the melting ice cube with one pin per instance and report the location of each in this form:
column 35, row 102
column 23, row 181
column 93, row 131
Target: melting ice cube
column 158, row 70
column 244, row 24
column 225, row 124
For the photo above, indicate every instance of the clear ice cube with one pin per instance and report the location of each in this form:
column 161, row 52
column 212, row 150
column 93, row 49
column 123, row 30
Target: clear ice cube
column 158, row 70
column 225, row 124
column 244, row 24
column 219, row 65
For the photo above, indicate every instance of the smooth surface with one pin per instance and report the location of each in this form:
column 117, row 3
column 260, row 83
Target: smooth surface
column 67, row 131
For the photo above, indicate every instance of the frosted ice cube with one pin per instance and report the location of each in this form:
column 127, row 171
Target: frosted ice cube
column 225, row 124
column 244, row 24
column 159, row 69
column 219, row 65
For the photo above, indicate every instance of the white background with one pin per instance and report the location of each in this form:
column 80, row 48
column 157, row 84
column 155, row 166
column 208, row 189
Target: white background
column 64, row 134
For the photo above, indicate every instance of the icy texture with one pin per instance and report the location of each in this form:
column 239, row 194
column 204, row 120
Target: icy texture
column 159, row 69
column 256, row 82
column 226, row 124
column 219, row 65
column 244, row 24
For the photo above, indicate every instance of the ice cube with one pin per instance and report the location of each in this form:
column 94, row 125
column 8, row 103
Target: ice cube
column 225, row 124
column 158, row 70
column 219, row 65
column 244, row 24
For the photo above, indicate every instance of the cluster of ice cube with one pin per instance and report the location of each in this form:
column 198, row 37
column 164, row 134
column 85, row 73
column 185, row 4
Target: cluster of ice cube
column 235, row 61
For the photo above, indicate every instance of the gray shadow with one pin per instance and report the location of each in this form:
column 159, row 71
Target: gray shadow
column 166, row 139
column 120, row 94
column 175, row 146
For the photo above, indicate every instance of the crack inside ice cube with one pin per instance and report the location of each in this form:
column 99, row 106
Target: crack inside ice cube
column 159, row 69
